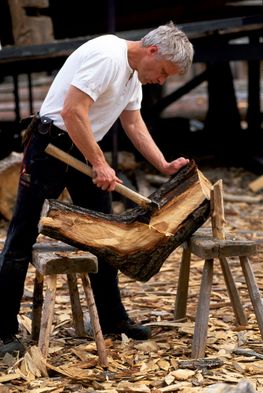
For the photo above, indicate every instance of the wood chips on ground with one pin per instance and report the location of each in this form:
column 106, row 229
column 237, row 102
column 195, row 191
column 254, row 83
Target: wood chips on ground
column 163, row 363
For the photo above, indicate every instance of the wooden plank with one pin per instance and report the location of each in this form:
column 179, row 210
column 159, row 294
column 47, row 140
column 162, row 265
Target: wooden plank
column 53, row 246
column 207, row 247
column 64, row 262
column 30, row 58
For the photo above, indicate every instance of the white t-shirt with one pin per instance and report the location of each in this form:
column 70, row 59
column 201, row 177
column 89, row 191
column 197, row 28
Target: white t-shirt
column 100, row 69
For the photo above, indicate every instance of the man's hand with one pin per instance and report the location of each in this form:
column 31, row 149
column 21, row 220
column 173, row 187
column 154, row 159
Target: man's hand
column 104, row 177
column 172, row 167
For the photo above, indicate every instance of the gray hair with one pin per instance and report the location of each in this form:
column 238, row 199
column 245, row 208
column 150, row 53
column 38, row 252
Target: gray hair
column 173, row 45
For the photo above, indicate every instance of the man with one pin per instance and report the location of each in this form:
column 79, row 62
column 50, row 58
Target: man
column 99, row 82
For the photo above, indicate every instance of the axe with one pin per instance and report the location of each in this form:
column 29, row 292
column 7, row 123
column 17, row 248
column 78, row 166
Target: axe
column 149, row 205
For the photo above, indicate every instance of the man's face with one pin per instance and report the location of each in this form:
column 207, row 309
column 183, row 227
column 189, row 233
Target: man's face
column 153, row 69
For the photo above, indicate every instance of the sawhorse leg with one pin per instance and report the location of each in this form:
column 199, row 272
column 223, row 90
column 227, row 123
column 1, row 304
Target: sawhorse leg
column 76, row 308
column 47, row 314
column 233, row 292
column 183, row 284
column 202, row 314
column 253, row 290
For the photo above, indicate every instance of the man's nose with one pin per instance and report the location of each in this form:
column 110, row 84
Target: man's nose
column 161, row 80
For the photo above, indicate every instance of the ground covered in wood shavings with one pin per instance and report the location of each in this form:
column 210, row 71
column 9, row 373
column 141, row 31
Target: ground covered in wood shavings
column 160, row 364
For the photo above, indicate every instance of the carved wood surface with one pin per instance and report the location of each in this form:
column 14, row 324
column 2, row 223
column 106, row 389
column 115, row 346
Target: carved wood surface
column 137, row 249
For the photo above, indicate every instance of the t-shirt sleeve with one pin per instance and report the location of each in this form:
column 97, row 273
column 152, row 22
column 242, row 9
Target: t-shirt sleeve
column 94, row 76
column 136, row 99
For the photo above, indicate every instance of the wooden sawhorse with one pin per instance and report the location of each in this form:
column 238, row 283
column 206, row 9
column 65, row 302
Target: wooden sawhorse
column 209, row 247
column 51, row 259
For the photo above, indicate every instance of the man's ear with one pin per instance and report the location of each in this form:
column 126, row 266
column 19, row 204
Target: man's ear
column 153, row 49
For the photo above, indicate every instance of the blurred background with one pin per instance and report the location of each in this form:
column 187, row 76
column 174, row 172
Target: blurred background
column 213, row 114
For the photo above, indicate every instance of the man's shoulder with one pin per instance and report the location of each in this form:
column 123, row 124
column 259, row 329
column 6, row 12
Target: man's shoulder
column 108, row 47
column 106, row 39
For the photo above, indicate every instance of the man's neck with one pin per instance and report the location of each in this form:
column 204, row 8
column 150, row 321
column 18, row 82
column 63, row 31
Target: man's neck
column 134, row 53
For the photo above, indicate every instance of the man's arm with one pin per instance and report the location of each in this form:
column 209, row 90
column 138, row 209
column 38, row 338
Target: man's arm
column 75, row 115
column 139, row 135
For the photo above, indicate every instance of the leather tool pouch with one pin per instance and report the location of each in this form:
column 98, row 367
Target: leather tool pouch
column 35, row 124
column 44, row 126
column 26, row 127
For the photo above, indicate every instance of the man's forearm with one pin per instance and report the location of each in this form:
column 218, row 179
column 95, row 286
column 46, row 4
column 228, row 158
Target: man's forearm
column 145, row 144
column 143, row 141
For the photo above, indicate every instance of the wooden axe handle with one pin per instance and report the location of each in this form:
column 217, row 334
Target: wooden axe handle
column 84, row 168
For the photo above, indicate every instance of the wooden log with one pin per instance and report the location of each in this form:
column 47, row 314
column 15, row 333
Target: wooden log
column 135, row 248
column 10, row 168
column 29, row 30
column 9, row 176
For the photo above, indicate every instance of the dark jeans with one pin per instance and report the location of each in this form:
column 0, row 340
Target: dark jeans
column 44, row 177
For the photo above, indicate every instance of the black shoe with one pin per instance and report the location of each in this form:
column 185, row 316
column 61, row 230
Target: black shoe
column 11, row 345
column 130, row 328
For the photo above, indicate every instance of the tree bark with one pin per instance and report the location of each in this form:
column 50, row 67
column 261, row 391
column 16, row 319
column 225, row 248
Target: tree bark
column 135, row 248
